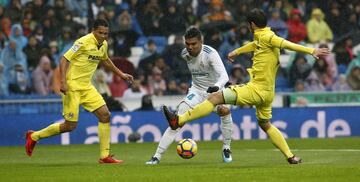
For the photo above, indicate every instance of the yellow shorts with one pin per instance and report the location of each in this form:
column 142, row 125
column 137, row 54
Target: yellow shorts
column 90, row 99
column 250, row 94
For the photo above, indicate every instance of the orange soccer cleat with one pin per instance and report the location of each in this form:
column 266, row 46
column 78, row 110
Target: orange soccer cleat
column 30, row 143
column 110, row 160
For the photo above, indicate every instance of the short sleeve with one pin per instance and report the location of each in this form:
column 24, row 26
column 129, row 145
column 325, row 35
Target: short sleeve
column 73, row 51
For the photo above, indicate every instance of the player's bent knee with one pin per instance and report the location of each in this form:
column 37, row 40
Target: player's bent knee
column 264, row 124
column 68, row 126
column 223, row 110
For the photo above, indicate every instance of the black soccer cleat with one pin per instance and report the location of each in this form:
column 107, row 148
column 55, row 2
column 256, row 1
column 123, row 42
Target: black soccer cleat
column 294, row 160
column 172, row 118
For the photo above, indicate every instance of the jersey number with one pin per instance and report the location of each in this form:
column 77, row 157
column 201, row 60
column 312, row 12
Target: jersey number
column 190, row 96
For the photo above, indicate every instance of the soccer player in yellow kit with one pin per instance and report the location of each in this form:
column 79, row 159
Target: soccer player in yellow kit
column 77, row 67
column 260, row 90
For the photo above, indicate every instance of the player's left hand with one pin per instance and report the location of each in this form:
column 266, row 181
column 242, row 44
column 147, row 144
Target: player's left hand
column 127, row 77
column 231, row 56
column 212, row 89
column 320, row 52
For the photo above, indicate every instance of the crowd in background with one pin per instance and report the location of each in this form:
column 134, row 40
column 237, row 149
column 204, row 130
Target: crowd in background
column 34, row 34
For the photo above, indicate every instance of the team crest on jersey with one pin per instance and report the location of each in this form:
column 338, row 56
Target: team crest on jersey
column 75, row 47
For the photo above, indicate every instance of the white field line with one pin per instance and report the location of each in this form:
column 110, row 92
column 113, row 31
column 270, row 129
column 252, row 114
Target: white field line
column 309, row 150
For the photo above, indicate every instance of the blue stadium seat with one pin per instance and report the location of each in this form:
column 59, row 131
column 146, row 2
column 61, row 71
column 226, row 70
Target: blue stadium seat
column 342, row 69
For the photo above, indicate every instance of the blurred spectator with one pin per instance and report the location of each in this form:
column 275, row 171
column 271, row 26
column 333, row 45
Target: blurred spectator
column 60, row 9
column 278, row 6
column 354, row 63
column 238, row 75
column 6, row 26
column 50, row 30
column 299, row 86
column 230, row 43
column 278, row 25
column 313, row 83
column 343, row 52
column 337, row 21
column 18, row 36
column 15, row 11
column 79, row 7
column 217, row 12
column 100, row 83
column 354, row 78
column 13, row 55
column 341, row 84
column 94, row 8
column 213, row 38
column 150, row 17
column 4, row 85
column 32, row 52
column 124, row 34
column 26, row 27
column 160, row 64
column 331, row 63
column 54, row 51
column 19, row 82
column 320, row 67
column 296, row 28
column 42, row 77
column 157, row 82
column 299, row 69
column 189, row 15
column 38, row 8
column 146, row 104
column 172, row 22
column 172, row 88
column 317, row 29
column 172, row 52
column 117, row 86
column 150, row 49
column 184, row 86
column 135, row 91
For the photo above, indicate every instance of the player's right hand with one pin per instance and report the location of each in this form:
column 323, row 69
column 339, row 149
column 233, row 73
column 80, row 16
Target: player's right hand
column 320, row 52
column 63, row 88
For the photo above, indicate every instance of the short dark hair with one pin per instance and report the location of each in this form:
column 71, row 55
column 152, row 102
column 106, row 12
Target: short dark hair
column 258, row 17
column 100, row 22
column 193, row 32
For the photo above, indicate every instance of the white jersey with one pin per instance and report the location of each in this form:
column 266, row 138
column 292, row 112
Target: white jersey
column 207, row 69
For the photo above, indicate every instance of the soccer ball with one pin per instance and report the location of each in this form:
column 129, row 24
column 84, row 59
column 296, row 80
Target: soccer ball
column 187, row 148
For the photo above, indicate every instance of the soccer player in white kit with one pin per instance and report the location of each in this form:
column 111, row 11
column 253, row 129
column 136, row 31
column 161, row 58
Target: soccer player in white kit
column 208, row 76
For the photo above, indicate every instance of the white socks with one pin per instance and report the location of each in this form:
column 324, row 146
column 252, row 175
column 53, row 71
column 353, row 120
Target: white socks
column 226, row 130
column 165, row 141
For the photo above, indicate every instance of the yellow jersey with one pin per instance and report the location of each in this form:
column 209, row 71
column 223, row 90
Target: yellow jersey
column 266, row 47
column 84, row 57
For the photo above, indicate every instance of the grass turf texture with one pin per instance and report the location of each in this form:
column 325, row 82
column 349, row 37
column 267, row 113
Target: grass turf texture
column 255, row 160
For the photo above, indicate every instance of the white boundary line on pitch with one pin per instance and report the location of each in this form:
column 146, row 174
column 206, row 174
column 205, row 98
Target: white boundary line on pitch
column 310, row 150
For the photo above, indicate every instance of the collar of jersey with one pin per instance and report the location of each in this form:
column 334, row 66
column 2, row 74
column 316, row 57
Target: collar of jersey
column 261, row 31
column 96, row 42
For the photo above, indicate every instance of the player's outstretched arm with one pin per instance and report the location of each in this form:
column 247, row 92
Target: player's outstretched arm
column 249, row 47
column 285, row 44
column 110, row 65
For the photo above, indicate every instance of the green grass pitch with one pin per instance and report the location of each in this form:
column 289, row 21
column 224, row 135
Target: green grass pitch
column 254, row 160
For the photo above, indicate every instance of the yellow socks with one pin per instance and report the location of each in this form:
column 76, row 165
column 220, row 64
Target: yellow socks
column 279, row 141
column 51, row 130
column 201, row 110
column 104, row 139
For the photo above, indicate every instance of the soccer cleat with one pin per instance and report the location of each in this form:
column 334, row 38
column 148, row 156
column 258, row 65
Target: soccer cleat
column 172, row 118
column 153, row 161
column 110, row 160
column 226, row 154
column 294, row 160
column 30, row 143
